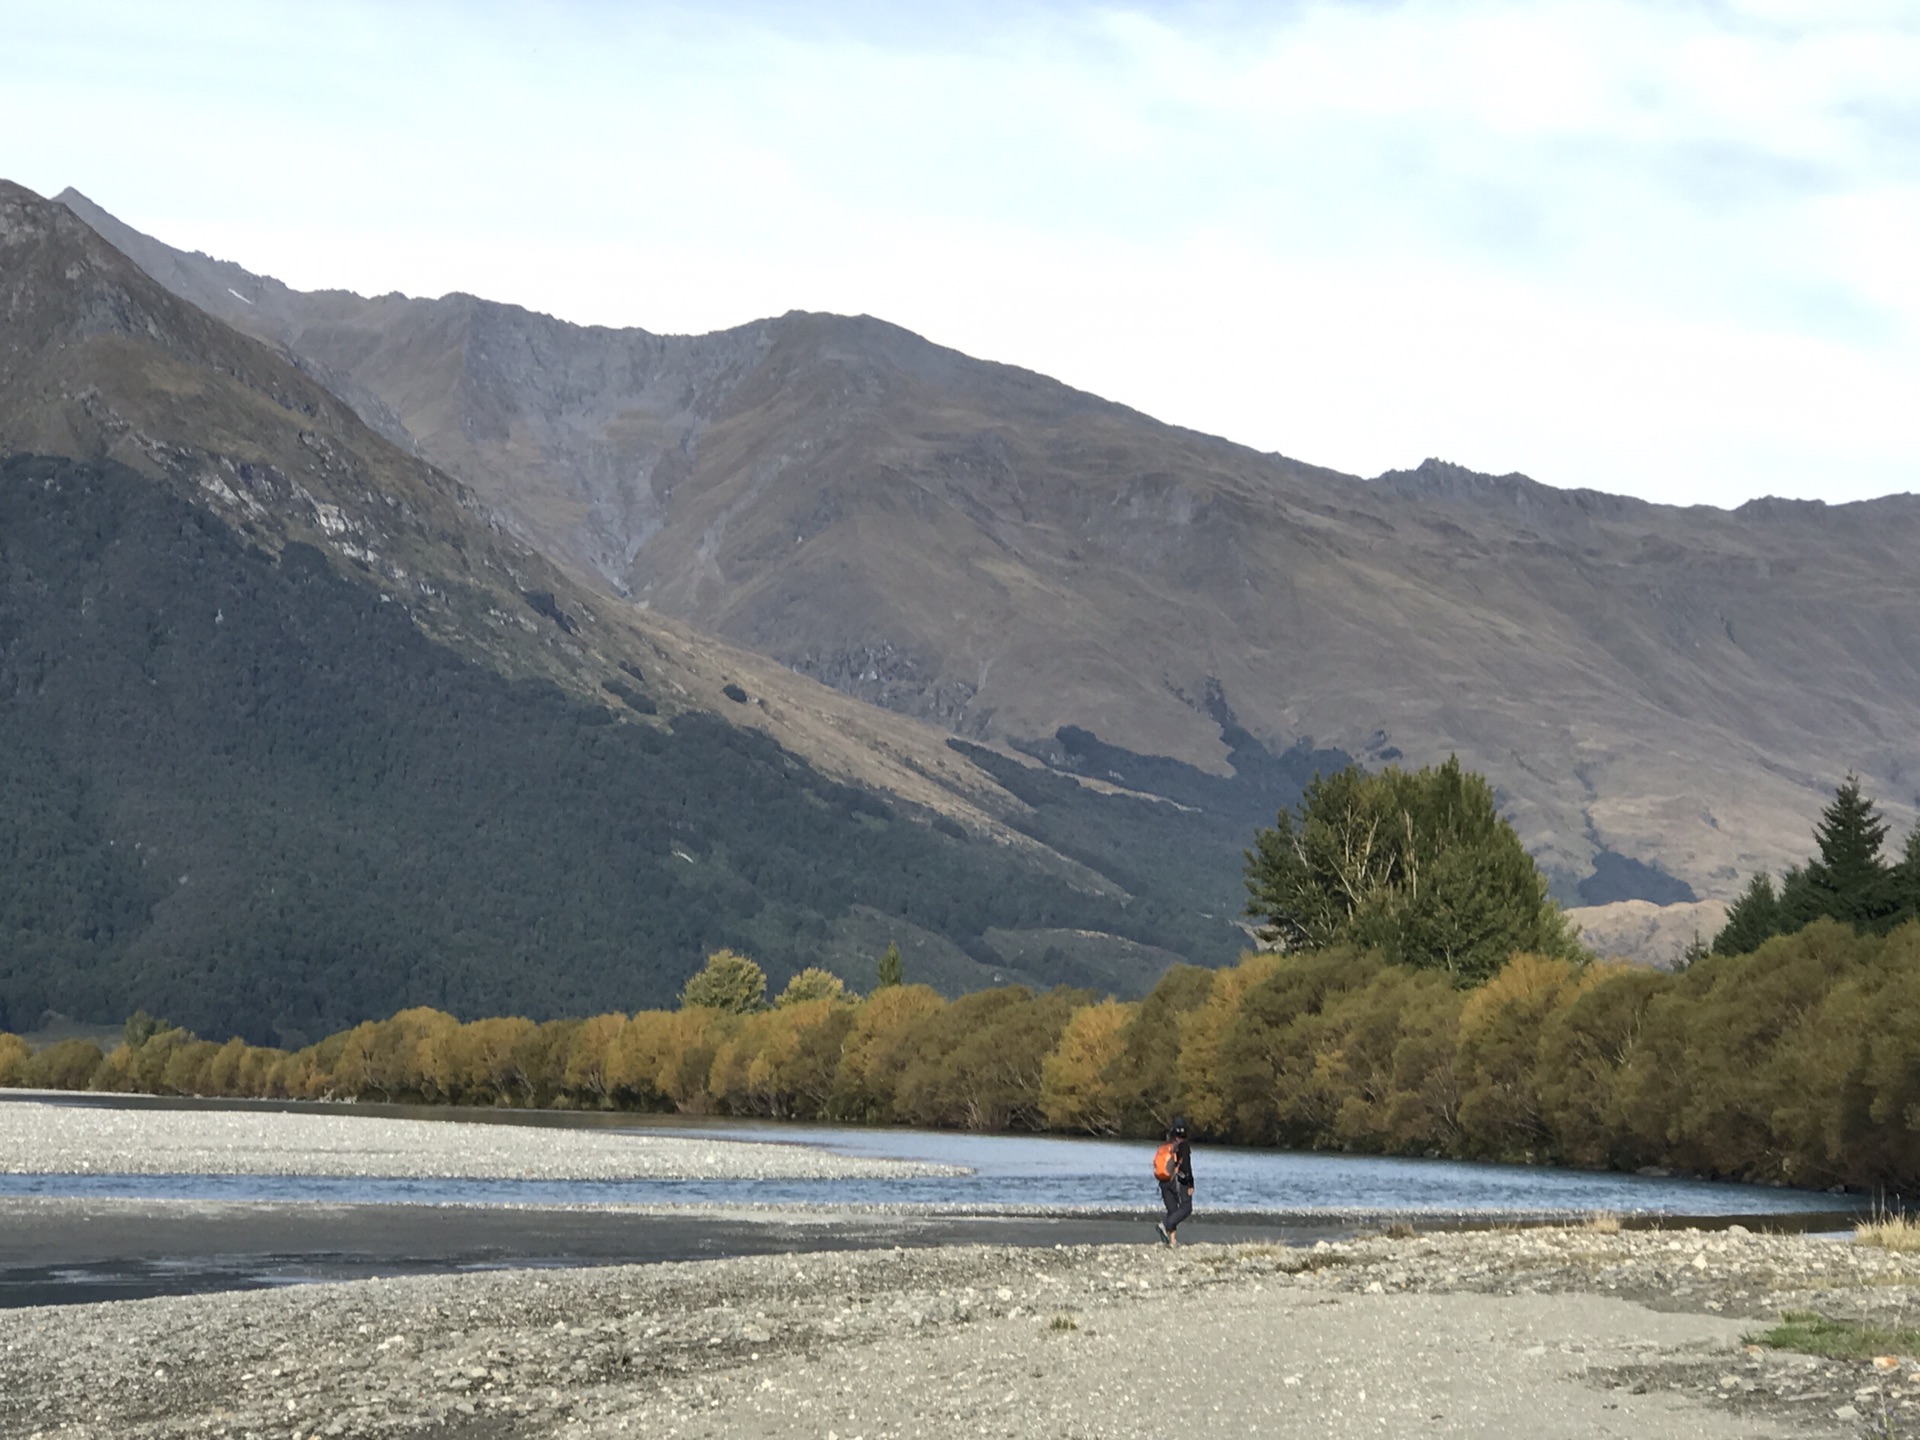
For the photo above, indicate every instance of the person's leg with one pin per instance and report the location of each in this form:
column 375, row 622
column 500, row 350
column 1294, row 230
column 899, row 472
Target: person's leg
column 1170, row 1199
column 1179, row 1207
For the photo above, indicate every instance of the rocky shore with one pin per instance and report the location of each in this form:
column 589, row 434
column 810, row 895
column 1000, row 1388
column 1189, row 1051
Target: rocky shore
column 1532, row 1332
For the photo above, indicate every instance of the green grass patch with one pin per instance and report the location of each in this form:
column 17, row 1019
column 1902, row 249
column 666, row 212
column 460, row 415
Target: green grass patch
column 1813, row 1334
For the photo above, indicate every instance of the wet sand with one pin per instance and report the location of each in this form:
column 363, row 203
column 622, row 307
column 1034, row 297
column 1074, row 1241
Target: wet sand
column 64, row 1251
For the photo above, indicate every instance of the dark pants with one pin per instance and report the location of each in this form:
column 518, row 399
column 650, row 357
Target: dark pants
column 1179, row 1202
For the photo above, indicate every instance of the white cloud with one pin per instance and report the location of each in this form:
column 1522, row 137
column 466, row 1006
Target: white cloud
column 1636, row 246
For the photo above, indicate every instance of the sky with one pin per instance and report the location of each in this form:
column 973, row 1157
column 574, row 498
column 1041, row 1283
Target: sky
column 1666, row 249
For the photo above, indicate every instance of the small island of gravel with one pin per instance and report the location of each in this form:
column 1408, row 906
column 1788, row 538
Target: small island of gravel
column 67, row 1139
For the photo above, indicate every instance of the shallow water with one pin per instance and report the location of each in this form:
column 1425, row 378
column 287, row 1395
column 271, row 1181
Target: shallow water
column 1045, row 1172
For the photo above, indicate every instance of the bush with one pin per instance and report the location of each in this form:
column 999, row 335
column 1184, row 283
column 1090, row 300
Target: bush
column 728, row 982
column 812, row 983
column 978, row 1063
column 14, row 1054
column 1499, row 1056
column 878, row 1048
column 1075, row 1093
column 69, row 1065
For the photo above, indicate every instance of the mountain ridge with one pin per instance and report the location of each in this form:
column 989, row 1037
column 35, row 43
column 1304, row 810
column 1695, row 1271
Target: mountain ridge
column 1668, row 688
column 204, row 549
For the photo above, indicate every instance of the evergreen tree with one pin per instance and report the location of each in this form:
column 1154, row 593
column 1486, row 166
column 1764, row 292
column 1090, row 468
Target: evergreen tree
column 1849, row 881
column 1800, row 901
column 728, row 982
column 1419, row 866
column 812, row 983
column 1904, row 884
column 1753, row 920
column 893, row 970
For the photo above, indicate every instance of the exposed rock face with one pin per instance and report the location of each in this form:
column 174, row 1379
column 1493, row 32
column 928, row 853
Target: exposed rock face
column 1651, row 934
column 998, row 553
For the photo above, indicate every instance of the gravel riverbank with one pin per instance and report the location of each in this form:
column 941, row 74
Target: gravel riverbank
column 1534, row 1333
column 58, row 1139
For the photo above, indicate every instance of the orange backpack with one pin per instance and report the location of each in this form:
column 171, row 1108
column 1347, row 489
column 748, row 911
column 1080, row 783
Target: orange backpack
column 1166, row 1161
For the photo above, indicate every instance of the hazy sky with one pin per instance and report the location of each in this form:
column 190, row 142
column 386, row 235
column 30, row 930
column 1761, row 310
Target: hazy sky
column 1667, row 248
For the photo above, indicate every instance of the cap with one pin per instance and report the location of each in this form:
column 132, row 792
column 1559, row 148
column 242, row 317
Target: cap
column 1178, row 1127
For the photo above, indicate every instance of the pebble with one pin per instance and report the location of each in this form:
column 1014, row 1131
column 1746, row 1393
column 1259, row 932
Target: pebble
column 537, row 1352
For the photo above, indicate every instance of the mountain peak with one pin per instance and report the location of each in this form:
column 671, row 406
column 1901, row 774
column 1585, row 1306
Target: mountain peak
column 1443, row 482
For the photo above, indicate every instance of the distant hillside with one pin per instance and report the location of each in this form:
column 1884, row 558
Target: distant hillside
column 1664, row 696
column 246, row 793
column 292, row 733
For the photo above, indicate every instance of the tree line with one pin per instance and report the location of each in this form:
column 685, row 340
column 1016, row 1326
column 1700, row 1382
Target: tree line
column 1851, row 880
column 1789, row 1063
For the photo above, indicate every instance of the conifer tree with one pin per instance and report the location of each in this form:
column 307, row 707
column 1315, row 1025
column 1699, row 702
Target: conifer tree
column 893, row 970
column 1753, row 920
column 1905, row 882
column 1850, row 882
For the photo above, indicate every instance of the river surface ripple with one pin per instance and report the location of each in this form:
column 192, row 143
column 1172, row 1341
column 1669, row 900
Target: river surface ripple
column 1021, row 1171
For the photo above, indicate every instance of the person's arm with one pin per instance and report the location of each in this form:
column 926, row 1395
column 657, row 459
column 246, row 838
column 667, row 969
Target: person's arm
column 1186, row 1164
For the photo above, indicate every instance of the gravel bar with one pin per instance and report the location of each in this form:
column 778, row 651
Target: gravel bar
column 1545, row 1333
column 57, row 1139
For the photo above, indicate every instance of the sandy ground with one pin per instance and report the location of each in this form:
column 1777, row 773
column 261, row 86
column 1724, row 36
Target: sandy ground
column 1247, row 1361
column 63, row 1251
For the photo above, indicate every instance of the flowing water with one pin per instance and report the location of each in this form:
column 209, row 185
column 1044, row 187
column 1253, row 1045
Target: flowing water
column 1051, row 1173
column 74, row 1237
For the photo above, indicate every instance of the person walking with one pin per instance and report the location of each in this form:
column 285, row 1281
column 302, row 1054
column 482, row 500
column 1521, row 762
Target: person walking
column 1173, row 1168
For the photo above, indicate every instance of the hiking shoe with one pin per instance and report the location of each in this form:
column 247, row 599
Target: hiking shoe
column 1166, row 1235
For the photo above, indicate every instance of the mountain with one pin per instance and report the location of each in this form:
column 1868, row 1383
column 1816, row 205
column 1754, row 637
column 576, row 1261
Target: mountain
column 1664, row 696
column 294, row 732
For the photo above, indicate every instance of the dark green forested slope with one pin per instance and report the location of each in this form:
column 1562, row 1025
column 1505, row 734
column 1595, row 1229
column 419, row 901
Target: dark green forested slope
column 249, row 794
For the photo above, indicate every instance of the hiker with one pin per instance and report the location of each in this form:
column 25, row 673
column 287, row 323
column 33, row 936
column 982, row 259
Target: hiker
column 1173, row 1168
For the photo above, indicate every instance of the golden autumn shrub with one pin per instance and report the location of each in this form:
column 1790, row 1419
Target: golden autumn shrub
column 1276, row 1065
column 386, row 1059
column 1702, row 1090
column 587, row 1073
column 1585, row 1046
column 784, row 1062
column 976, row 1064
column 639, row 1056
column 1498, row 1060
column 1202, row 1030
column 877, row 1048
column 1144, row 1078
column 1393, row 1044
column 479, row 1063
column 1075, row 1093
column 67, row 1065
column 14, row 1054
column 689, row 1041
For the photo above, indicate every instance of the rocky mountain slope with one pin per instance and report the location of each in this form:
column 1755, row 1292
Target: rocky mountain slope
column 1663, row 695
column 293, row 732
